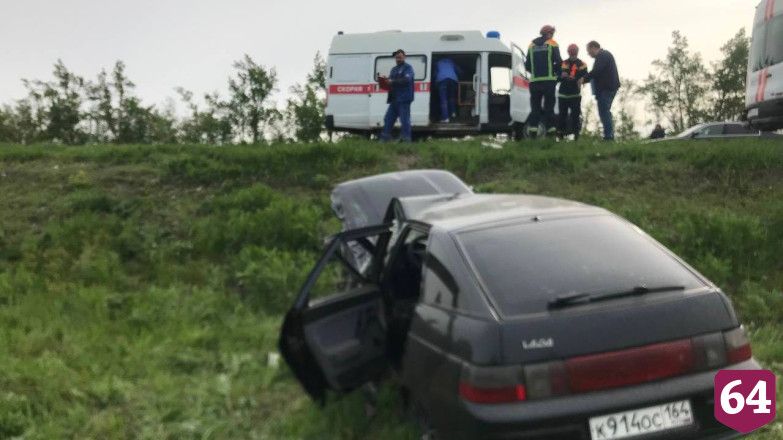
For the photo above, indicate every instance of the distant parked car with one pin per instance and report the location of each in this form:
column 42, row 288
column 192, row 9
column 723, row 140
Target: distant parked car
column 721, row 130
column 514, row 316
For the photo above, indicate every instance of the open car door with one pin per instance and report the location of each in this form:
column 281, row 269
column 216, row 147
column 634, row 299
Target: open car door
column 520, row 86
column 337, row 341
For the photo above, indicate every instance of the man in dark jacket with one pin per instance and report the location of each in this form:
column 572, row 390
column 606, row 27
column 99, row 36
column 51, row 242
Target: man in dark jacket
column 401, row 80
column 544, row 64
column 570, row 95
column 658, row 133
column 606, row 83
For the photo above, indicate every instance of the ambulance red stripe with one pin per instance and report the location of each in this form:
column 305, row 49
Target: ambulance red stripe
column 521, row 82
column 759, row 94
column 359, row 89
column 770, row 12
column 759, row 85
column 762, row 87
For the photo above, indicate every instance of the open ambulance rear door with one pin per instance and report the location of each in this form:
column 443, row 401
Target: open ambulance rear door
column 350, row 88
column 520, row 89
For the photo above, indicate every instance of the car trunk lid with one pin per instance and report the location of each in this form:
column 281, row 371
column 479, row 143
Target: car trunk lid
column 614, row 325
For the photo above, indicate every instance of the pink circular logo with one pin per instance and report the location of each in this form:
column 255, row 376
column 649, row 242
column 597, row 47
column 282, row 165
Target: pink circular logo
column 745, row 399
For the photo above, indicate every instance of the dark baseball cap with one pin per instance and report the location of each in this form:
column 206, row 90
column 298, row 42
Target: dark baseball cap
column 398, row 51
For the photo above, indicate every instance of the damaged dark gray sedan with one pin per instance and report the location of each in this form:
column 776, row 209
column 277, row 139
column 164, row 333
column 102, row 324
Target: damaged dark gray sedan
column 512, row 316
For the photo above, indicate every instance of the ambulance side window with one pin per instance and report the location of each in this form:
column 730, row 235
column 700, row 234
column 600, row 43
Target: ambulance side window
column 384, row 65
column 500, row 80
column 348, row 68
column 775, row 40
column 758, row 53
column 519, row 68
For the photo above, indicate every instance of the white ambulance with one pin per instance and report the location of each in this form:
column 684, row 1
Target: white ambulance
column 764, row 100
column 493, row 90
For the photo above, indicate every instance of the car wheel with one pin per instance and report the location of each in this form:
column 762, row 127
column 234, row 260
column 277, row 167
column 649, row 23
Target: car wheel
column 429, row 435
column 420, row 419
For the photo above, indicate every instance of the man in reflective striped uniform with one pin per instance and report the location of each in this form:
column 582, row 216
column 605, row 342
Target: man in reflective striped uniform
column 570, row 96
column 544, row 64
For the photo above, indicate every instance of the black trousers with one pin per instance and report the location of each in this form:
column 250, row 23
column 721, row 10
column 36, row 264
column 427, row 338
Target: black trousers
column 542, row 91
column 570, row 115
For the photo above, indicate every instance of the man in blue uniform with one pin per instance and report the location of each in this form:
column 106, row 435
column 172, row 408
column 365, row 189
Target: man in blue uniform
column 544, row 64
column 400, row 98
column 570, row 95
column 447, row 79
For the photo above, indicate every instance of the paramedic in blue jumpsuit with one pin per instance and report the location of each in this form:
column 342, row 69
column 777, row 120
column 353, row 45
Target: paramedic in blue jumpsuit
column 447, row 80
column 400, row 99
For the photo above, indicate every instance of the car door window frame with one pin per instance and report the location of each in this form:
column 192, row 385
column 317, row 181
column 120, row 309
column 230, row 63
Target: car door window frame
column 333, row 245
column 394, row 248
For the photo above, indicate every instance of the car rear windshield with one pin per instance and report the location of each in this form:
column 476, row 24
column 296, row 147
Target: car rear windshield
column 525, row 266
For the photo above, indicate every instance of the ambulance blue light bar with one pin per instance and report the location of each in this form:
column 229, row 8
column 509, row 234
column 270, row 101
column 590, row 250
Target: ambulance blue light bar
column 493, row 34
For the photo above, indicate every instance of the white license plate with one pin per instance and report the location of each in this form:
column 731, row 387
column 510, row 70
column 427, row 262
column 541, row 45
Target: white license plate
column 644, row 421
column 753, row 113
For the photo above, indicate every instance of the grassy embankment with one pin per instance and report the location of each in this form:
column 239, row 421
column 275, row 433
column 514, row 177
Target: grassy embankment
column 141, row 287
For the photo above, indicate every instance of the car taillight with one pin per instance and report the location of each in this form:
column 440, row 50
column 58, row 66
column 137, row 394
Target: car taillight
column 630, row 367
column 709, row 352
column 606, row 370
column 737, row 346
column 492, row 384
column 546, row 380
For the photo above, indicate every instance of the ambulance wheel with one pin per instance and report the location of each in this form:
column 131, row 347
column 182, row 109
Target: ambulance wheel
column 420, row 137
column 534, row 135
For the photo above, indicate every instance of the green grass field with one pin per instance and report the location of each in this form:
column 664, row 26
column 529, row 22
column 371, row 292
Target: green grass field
column 142, row 287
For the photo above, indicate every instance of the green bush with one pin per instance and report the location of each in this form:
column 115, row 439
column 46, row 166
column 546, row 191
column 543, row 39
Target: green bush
column 269, row 279
column 285, row 223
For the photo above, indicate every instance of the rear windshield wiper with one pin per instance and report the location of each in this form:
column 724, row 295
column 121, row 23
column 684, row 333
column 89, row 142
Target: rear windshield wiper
column 586, row 298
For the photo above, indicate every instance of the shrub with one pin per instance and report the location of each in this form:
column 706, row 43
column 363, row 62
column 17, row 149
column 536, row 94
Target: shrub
column 269, row 279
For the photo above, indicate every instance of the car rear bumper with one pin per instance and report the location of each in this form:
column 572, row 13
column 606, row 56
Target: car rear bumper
column 567, row 417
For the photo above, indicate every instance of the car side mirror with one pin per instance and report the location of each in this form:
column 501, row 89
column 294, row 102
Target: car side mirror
column 694, row 135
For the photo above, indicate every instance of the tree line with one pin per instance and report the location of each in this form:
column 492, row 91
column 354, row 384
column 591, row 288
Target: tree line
column 70, row 109
column 683, row 90
column 680, row 91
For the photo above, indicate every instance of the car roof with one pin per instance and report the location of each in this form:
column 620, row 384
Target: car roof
column 459, row 212
column 364, row 202
column 414, row 43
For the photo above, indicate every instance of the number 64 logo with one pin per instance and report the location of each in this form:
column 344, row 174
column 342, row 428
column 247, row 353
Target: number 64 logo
column 745, row 399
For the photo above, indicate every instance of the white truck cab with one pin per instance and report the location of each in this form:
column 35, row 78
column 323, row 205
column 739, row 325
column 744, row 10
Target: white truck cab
column 764, row 99
column 493, row 90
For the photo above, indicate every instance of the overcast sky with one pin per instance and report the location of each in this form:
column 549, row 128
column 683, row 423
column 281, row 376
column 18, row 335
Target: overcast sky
column 170, row 43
